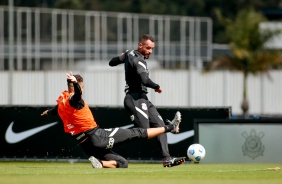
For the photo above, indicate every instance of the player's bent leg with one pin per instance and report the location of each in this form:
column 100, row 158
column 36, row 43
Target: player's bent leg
column 153, row 132
column 120, row 162
column 109, row 163
column 157, row 121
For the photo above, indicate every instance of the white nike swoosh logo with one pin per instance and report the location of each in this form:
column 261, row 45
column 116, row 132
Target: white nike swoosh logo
column 13, row 137
column 176, row 138
column 173, row 138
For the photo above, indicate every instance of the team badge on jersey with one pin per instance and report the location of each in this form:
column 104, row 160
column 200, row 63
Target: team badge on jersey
column 111, row 143
column 132, row 117
column 144, row 106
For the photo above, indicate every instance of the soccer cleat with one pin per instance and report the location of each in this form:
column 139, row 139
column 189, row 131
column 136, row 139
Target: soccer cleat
column 173, row 161
column 175, row 122
column 95, row 162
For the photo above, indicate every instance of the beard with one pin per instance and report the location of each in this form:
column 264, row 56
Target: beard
column 146, row 56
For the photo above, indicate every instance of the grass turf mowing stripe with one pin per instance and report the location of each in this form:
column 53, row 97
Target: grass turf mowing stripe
column 62, row 172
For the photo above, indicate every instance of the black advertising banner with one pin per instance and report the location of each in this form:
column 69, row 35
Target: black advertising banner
column 24, row 133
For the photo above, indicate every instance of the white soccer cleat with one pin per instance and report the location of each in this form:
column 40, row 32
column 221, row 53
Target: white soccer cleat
column 175, row 122
column 95, row 162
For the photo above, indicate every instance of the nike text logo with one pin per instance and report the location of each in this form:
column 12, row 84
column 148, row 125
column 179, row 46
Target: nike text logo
column 174, row 138
column 12, row 137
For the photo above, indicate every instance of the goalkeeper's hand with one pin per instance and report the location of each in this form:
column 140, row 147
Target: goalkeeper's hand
column 44, row 113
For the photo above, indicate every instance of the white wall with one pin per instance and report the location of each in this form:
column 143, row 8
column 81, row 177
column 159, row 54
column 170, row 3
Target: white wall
column 181, row 88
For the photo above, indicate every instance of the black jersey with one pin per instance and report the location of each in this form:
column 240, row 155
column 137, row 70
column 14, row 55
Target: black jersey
column 136, row 72
column 134, row 65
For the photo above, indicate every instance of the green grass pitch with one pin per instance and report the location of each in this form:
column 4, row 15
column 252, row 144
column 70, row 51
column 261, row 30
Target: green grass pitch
column 12, row 172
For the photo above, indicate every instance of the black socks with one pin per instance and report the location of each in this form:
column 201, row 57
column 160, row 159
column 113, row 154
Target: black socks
column 168, row 128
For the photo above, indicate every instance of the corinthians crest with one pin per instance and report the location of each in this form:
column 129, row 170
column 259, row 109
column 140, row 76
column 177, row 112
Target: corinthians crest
column 253, row 146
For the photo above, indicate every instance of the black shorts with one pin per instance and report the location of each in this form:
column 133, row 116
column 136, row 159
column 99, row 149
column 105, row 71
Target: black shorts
column 100, row 141
column 142, row 112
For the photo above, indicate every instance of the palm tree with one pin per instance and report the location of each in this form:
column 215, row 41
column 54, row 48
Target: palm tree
column 247, row 43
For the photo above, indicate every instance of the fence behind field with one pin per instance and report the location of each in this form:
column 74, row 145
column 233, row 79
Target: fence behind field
column 55, row 39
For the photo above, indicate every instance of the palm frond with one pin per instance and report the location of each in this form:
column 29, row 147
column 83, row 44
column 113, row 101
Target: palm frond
column 247, row 43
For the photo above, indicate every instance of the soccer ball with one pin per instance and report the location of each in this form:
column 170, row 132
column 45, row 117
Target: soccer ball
column 196, row 152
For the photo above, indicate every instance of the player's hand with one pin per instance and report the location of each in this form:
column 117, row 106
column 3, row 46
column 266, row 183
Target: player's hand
column 158, row 90
column 71, row 77
column 44, row 113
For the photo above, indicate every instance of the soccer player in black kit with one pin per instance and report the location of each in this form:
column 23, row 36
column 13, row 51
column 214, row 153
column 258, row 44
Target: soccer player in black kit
column 96, row 142
column 142, row 112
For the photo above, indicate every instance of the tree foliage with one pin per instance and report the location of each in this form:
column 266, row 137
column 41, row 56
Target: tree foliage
column 248, row 43
column 248, row 46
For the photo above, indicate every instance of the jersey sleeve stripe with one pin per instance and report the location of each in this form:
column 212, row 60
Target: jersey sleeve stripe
column 142, row 64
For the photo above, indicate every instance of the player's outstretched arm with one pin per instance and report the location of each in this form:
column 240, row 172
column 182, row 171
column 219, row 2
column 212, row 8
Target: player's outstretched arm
column 44, row 113
column 53, row 111
column 117, row 60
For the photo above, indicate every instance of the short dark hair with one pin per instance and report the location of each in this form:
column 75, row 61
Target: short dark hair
column 78, row 78
column 146, row 37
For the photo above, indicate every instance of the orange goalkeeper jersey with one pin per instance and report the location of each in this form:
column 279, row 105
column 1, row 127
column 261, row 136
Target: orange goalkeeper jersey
column 75, row 120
